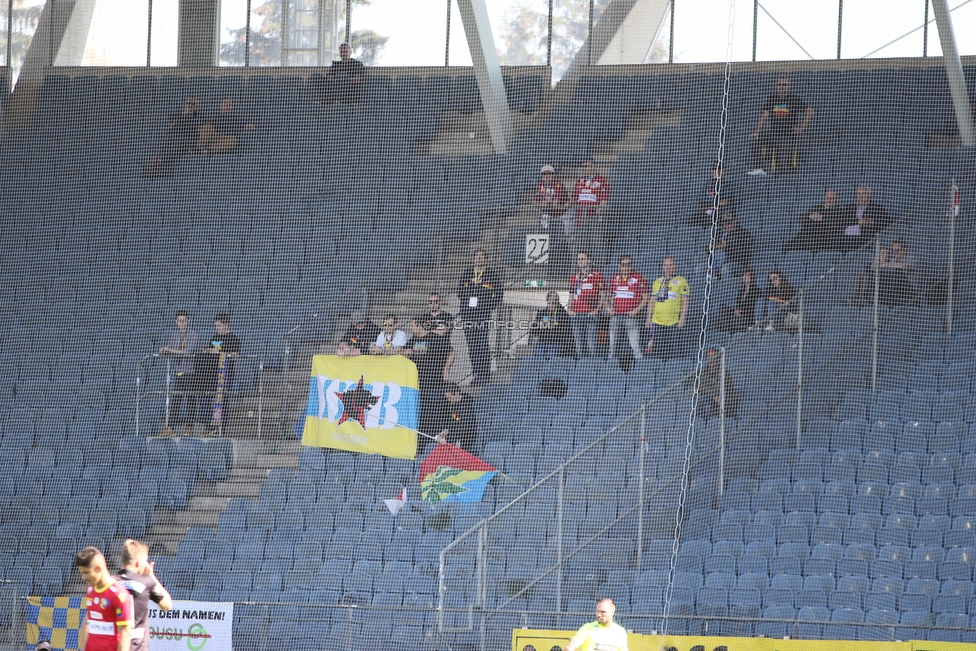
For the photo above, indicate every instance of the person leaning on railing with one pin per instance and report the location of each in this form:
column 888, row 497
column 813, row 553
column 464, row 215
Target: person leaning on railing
column 183, row 343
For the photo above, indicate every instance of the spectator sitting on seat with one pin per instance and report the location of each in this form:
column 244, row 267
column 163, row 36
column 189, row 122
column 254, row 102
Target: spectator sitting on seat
column 390, row 341
column 184, row 343
column 720, row 186
column 819, row 226
column 741, row 315
column 733, row 245
column 779, row 145
column 710, row 388
column 344, row 81
column 553, row 331
column 896, row 284
column 772, row 308
column 459, row 424
column 552, row 200
column 590, row 195
column 182, row 137
column 356, row 340
column 221, row 134
column 862, row 221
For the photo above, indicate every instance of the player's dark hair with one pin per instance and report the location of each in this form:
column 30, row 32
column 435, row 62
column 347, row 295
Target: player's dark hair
column 180, row 313
column 85, row 556
column 223, row 317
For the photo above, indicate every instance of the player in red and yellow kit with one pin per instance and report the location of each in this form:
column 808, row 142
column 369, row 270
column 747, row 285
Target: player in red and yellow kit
column 108, row 620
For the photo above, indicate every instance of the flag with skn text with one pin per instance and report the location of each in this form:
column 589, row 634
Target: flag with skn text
column 363, row 404
column 449, row 474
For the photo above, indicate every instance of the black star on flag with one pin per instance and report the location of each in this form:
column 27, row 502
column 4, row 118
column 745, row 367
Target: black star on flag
column 356, row 403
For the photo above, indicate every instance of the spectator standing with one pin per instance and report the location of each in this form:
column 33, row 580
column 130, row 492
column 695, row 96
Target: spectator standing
column 774, row 307
column 553, row 329
column 436, row 318
column 742, row 314
column 183, row 344
column 734, row 245
column 459, row 424
column 107, row 605
column 602, row 635
column 344, row 81
column 670, row 296
column 586, row 287
column 864, row 219
column 552, row 200
column 433, row 355
column 361, row 334
column 628, row 297
column 591, row 192
column 480, row 292
column 390, row 341
column 182, row 137
column 819, row 226
column 718, row 188
column 221, row 134
column 216, row 368
column 779, row 145
column 139, row 577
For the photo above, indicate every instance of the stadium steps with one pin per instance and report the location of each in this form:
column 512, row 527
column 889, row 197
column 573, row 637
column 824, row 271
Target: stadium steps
column 467, row 134
column 639, row 128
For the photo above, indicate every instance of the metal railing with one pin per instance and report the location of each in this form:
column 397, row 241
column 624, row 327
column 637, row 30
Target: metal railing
column 156, row 378
column 640, row 509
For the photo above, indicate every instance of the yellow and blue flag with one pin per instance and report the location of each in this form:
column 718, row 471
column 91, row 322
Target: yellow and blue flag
column 55, row 619
column 363, row 404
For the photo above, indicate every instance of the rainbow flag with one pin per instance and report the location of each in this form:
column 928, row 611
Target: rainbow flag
column 363, row 404
column 449, row 474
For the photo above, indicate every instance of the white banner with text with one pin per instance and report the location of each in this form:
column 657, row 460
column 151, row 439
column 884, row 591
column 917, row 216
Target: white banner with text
column 191, row 626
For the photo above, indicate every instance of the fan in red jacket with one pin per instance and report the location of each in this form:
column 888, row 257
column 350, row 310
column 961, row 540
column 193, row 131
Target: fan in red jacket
column 591, row 192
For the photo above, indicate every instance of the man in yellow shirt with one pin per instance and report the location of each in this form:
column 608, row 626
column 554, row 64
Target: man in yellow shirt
column 601, row 635
column 667, row 310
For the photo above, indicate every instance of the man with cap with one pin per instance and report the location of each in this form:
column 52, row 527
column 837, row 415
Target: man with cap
column 361, row 333
column 552, row 199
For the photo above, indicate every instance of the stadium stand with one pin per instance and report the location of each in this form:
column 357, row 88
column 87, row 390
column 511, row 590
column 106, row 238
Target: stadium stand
column 863, row 512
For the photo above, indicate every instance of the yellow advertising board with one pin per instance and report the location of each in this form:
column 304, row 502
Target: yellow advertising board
column 548, row 641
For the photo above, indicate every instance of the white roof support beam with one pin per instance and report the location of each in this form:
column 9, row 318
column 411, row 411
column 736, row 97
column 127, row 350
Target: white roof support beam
column 957, row 81
column 488, row 71
column 59, row 39
column 623, row 35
